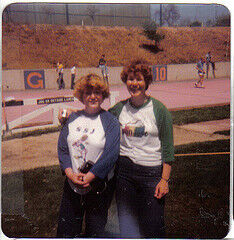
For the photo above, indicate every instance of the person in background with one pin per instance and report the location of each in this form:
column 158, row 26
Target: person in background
column 73, row 75
column 213, row 68
column 102, row 65
column 60, row 81
column 146, row 153
column 90, row 137
column 201, row 73
column 208, row 61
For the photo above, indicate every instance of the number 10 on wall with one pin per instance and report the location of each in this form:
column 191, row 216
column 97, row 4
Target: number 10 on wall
column 159, row 73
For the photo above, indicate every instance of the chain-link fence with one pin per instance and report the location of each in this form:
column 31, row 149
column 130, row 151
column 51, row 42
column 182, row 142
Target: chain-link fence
column 77, row 14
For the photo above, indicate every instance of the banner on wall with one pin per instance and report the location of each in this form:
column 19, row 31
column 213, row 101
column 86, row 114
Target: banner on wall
column 159, row 73
column 34, row 79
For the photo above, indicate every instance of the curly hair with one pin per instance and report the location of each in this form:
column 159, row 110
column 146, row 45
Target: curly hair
column 90, row 81
column 138, row 66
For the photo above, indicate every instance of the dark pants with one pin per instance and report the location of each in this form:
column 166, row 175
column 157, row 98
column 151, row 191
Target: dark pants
column 141, row 215
column 72, row 81
column 73, row 208
column 61, row 83
column 207, row 69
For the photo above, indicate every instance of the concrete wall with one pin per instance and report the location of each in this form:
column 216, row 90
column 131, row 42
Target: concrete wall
column 180, row 72
column 14, row 79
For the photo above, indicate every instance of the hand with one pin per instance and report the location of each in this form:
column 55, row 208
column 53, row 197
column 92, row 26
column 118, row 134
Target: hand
column 87, row 178
column 161, row 189
column 62, row 119
column 76, row 178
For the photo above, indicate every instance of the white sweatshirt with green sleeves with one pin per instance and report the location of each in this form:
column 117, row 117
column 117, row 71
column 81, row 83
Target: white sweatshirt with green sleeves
column 146, row 132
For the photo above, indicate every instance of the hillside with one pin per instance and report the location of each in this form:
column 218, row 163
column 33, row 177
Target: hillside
column 42, row 46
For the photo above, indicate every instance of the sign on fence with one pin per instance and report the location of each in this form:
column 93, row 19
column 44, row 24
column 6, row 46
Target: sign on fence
column 34, row 79
column 159, row 73
column 55, row 100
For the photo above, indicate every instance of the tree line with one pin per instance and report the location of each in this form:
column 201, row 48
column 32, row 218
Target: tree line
column 169, row 15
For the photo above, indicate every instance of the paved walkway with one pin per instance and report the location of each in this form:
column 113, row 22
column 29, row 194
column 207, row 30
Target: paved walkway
column 209, row 127
column 200, row 132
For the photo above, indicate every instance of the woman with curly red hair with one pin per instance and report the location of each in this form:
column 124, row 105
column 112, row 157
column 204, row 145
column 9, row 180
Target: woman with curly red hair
column 88, row 147
column 146, row 152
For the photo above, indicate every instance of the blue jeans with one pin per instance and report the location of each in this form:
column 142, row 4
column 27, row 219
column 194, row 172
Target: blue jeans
column 74, row 206
column 141, row 215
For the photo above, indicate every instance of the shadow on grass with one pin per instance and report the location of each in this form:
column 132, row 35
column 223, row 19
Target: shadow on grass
column 196, row 207
column 197, row 115
column 151, row 48
column 198, row 203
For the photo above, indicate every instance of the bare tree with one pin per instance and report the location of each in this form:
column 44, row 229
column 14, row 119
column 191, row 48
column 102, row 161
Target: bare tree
column 185, row 22
column 49, row 11
column 171, row 14
column 92, row 11
column 156, row 16
column 223, row 20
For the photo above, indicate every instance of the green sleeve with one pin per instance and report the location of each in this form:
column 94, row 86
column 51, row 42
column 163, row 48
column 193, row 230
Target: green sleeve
column 117, row 108
column 165, row 127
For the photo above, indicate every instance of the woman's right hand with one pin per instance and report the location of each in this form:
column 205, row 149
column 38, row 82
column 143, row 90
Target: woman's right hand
column 63, row 115
column 75, row 178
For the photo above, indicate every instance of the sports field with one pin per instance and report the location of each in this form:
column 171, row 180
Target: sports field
column 196, row 207
column 175, row 95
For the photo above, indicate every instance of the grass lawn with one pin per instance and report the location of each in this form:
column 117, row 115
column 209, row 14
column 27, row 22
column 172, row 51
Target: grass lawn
column 198, row 204
column 196, row 207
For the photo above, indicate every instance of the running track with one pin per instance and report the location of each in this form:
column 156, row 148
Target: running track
column 175, row 95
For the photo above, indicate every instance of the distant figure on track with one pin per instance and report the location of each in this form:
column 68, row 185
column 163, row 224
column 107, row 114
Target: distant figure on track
column 60, row 81
column 208, row 61
column 201, row 73
column 102, row 65
column 213, row 68
column 73, row 75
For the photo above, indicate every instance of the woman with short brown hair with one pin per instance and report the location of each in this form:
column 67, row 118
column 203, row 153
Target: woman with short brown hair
column 146, row 152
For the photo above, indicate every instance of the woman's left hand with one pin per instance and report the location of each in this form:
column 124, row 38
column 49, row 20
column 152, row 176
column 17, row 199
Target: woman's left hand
column 87, row 178
column 161, row 189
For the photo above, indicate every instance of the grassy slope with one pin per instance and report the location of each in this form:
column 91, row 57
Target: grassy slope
column 41, row 46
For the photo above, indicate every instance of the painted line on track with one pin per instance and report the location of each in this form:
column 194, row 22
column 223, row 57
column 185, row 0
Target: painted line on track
column 201, row 154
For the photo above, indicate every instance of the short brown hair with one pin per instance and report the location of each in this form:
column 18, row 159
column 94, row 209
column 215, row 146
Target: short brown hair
column 90, row 81
column 138, row 66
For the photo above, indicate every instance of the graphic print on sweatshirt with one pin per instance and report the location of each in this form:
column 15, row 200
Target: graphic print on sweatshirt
column 139, row 135
column 80, row 145
column 134, row 129
column 86, row 140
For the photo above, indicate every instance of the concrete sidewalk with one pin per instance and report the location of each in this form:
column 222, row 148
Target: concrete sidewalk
column 209, row 127
column 200, row 132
